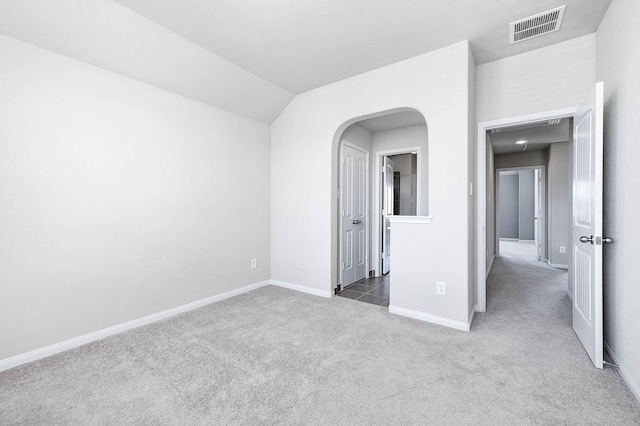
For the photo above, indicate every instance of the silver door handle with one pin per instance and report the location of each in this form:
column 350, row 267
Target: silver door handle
column 357, row 221
column 607, row 240
column 584, row 239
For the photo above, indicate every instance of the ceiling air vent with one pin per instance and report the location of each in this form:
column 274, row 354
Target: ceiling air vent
column 536, row 25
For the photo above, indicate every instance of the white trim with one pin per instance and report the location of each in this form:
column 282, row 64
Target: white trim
column 458, row 325
column 410, row 219
column 558, row 265
column 471, row 315
column 301, row 288
column 542, row 207
column 376, row 247
column 481, row 191
column 488, row 270
column 65, row 345
column 569, row 294
column 633, row 386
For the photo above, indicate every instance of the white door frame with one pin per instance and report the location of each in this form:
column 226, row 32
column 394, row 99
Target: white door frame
column 366, row 203
column 542, row 223
column 376, row 236
column 481, row 190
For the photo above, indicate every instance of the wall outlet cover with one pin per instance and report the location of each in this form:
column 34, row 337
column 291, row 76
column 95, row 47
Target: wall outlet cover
column 441, row 288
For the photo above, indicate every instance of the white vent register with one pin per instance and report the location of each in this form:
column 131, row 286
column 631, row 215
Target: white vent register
column 536, row 25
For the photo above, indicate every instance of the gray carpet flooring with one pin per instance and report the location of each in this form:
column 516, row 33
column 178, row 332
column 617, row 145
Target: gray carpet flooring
column 275, row 356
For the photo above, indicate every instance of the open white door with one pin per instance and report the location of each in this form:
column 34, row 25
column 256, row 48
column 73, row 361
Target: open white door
column 387, row 210
column 353, row 199
column 537, row 213
column 587, row 224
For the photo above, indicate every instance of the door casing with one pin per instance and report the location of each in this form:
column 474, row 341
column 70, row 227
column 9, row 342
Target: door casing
column 376, row 208
column 542, row 222
column 481, row 192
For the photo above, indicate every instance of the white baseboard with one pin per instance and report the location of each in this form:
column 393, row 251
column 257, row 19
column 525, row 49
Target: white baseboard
column 490, row 265
column 471, row 315
column 633, row 386
column 65, row 345
column 558, row 265
column 569, row 294
column 301, row 288
column 458, row 325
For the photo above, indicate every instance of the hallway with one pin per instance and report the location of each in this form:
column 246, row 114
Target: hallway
column 527, row 330
column 520, row 283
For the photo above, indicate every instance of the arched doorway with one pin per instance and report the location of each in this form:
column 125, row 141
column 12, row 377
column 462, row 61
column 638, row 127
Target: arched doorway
column 368, row 189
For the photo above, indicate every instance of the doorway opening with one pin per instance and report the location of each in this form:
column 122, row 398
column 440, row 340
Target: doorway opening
column 520, row 211
column 380, row 162
column 538, row 141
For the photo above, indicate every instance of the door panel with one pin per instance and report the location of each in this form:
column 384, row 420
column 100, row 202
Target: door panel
column 587, row 225
column 353, row 205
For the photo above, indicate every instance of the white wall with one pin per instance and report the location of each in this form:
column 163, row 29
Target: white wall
column 472, row 158
column 558, row 196
column 490, row 195
column 618, row 65
column 118, row 200
column 520, row 159
column 358, row 135
column 509, row 207
column 407, row 137
column 554, row 77
column 304, row 144
column 526, row 205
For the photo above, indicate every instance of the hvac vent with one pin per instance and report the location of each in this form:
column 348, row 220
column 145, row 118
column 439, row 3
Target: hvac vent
column 536, row 25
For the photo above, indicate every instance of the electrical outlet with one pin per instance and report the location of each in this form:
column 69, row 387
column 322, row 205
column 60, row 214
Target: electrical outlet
column 254, row 263
column 441, row 288
column 563, row 249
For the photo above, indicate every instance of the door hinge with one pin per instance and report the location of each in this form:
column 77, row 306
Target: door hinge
column 342, row 265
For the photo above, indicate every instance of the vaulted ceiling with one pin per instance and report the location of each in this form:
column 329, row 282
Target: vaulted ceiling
column 252, row 56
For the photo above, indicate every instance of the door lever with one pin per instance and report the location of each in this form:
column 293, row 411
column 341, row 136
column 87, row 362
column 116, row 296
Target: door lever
column 357, row 221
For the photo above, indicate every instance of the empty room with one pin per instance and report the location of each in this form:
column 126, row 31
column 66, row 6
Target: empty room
column 196, row 198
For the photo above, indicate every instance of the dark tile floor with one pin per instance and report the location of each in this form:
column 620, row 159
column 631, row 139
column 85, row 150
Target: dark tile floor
column 374, row 290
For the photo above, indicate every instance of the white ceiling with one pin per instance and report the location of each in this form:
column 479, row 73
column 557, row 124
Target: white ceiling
column 251, row 56
column 106, row 34
column 300, row 45
column 392, row 121
column 539, row 137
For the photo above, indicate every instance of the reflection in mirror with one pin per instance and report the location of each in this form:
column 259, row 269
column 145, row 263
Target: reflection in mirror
column 405, row 183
